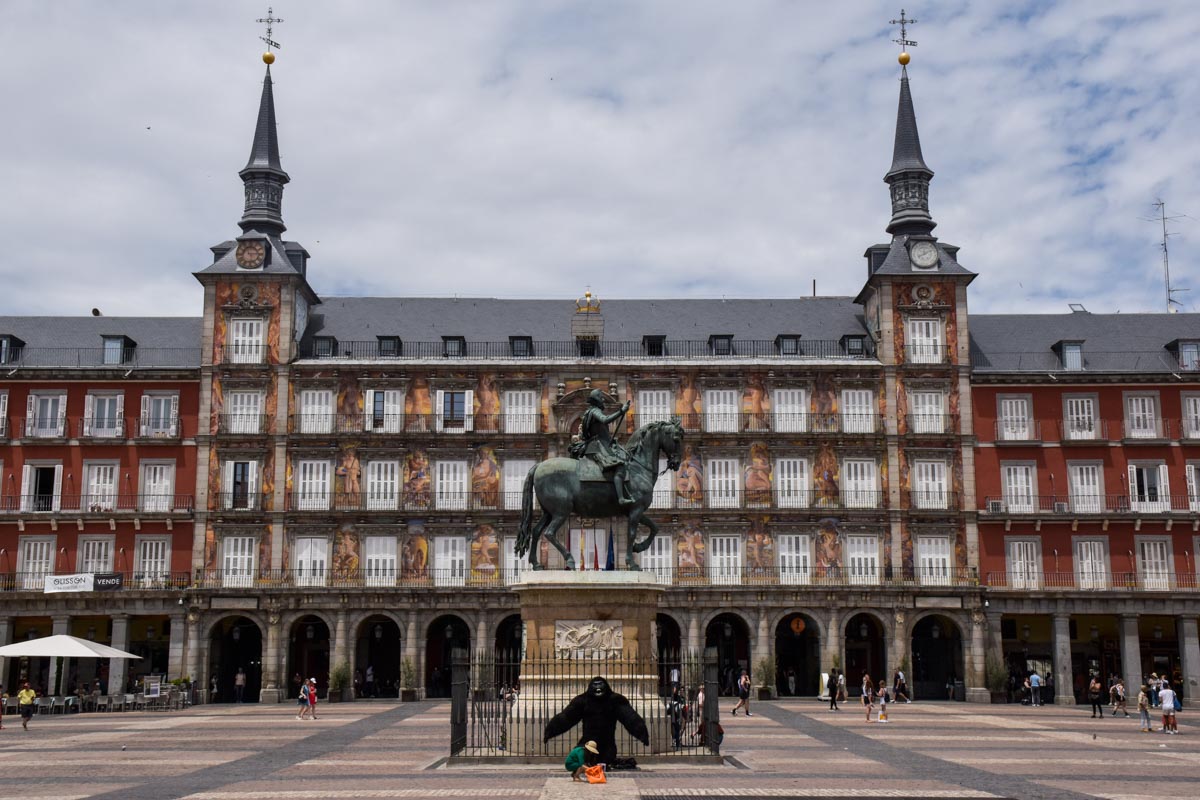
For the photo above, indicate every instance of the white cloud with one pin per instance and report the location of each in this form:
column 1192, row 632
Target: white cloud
column 647, row 148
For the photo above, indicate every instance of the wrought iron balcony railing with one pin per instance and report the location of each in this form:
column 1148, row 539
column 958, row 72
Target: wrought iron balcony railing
column 100, row 357
column 242, row 424
column 237, row 501
column 922, row 354
column 1021, row 431
column 160, row 427
column 45, row 427
column 1131, row 362
column 149, row 579
column 1093, row 580
column 102, row 427
column 1080, row 430
column 97, row 503
column 1074, row 505
column 326, row 424
column 1136, row 430
column 817, row 424
column 249, row 354
column 930, row 424
column 670, row 350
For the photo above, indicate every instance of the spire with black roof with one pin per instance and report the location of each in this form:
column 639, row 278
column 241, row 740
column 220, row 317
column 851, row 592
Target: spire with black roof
column 263, row 175
column 909, row 176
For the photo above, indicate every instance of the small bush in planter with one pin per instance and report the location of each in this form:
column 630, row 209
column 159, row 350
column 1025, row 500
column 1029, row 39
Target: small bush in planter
column 766, row 677
column 996, row 677
column 408, row 681
column 339, row 681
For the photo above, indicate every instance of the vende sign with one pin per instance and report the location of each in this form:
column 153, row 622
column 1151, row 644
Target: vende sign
column 85, row 582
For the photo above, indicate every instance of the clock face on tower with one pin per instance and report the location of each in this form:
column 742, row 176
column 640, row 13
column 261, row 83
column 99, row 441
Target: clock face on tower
column 923, row 255
column 251, row 253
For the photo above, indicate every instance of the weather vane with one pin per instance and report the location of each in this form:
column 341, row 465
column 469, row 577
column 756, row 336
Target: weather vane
column 903, row 41
column 269, row 20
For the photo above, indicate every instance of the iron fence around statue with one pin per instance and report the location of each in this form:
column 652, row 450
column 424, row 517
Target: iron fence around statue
column 501, row 704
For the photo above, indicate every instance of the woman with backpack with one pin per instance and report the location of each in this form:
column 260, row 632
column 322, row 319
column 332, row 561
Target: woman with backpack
column 743, row 690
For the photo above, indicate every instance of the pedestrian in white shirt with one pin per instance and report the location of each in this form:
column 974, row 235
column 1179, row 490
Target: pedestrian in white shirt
column 1166, row 696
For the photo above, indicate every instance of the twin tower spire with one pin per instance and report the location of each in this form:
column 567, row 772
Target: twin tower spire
column 908, row 177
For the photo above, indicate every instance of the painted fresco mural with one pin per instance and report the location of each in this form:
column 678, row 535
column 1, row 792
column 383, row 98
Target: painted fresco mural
column 760, row 548
column 487, row 403
column 691, row 554
column 826, row 478
column 414, row 554
column 210, row 548
column 485, row 554
column 418, row 406
column 939, row 297
column 418, row 480
column 758, row 474
column 485, row 479
column 828, row 549
column 347, row 476
column 756, row 404
column 687, row 402
column 345, row 553
column 689, row 480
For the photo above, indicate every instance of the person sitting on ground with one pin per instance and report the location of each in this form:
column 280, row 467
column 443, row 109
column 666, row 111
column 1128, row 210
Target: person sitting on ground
column 580, row 758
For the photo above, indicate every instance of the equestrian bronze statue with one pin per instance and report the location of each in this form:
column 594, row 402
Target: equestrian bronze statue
column 582, row 485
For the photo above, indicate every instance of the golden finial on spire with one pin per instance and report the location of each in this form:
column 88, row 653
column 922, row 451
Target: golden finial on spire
column 269, row 20
column 904, row 41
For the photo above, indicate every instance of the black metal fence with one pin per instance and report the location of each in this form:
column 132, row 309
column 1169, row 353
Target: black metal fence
column 501, row 704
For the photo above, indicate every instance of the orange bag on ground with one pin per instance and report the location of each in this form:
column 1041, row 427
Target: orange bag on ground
column 595, row 774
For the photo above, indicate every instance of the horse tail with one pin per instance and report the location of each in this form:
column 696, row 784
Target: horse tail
column 525, row 531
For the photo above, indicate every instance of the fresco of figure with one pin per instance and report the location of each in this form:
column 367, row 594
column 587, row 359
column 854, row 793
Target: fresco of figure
column 689, row 480
column 485, row 554
column 485, row 479
column 757, row 475
column 829, row 548
column 418, row 485
column 599, row 708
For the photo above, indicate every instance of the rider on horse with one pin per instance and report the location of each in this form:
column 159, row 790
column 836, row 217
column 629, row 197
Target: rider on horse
column 597, row 442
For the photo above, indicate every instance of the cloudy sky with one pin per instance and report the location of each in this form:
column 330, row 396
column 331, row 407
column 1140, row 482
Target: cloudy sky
column 648, row 148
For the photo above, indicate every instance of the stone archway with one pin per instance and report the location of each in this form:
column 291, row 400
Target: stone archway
column 377, row 654
column 866, row 652
column 730, row 634
column 309, row 651
column 509, row 635
column 444, row 635
column 234, row 643
column 937, row 659
column 671, row 658
column 798, row 656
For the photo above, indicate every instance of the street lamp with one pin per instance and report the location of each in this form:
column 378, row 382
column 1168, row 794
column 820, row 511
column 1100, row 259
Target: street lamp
column 236, row 633
column 1025, row 632
column 1158, row 632
column 310, row 632
column 150, row 632
column 862, row 630
column 378, row 631
column 935, row 631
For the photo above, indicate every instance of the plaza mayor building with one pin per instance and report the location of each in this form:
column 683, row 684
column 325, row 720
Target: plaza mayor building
column 290, row 481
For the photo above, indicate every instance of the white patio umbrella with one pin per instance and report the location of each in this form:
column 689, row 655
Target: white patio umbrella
column 62, row 646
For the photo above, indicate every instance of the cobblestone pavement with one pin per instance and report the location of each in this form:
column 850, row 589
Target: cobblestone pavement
column 787, row 749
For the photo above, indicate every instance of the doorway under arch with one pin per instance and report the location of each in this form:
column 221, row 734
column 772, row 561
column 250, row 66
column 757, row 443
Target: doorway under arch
column 866, row 652
column 509, row 639
column 797, row 656
column 377, row 654
column 937, row 658
column 444, row 635
column 669, row 647
column 234, row 643
column 730, row 635
column 308, row 651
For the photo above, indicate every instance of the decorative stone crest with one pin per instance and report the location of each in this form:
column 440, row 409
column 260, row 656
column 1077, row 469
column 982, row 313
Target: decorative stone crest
column 588, row 638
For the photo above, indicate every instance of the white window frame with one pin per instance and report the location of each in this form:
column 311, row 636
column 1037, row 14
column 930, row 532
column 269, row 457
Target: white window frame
column 316, row 410
column 452, row 424
column 391, row 420
column 927, row 410
column 929, row 484
column 101, row 486
column 108, row 426
column 95, row 554
column 310, row 560
column 935, row 559
column 3, row 414
column 721, row 408
column 512, row 565
column 1019, row 486
column 1142, row 417
column 926, row 344
column 379, row 560
column 794, row 551
column 590, row 546
column 792, row 482
column 659, row 559
column 790, row 409
column 1143, row 496
column 858, row 411
column 152, row 560
column 27, row 486
column 151, row 424
column 654, row 405
column 725, row 560
column 664, row 486
column 53, row 422
column 1189, row 356
column 1080, row 420
column 860, row 483
column 239, row 557
column 1191, row 416
column 156, row 496
column 1155, row 561
column 521, row 411
column 253, row 501
column 1014, row 419
column 313, row 484
column 722, row 478
column 449, row 560
column 382, row 484
column 1085, row 486
column 862, row 559
column 35, row 560
column 1072, row 356
column 515, row 472
column 245, row 410
column 1192, row 478
column 1023, row 562
column 451, row 486
column 246, row 340
column 1091, row 562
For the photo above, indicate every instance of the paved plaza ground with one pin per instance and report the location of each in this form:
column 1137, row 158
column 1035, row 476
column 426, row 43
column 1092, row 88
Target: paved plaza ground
column 787, row 749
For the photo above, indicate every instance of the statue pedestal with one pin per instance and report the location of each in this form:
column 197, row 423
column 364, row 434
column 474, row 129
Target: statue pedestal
column 579, row 625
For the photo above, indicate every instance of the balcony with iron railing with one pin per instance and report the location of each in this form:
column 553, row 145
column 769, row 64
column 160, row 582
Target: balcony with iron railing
column 930, row 425
column 100, row 357
column 102, row 427
column 934, row 500
column 928, row 354
column 327, row 424
column 1018, row 431
column 133, row 580
column 573, row 350
column 1136, row 362
column 237, row 502
column 243, row 354
column 813, row 424
column 1026, row 580
column 1148, row 430
column 44, row 427
column 242, row 424
column 1091, row 504
column 1080, row 431
column 98, row 503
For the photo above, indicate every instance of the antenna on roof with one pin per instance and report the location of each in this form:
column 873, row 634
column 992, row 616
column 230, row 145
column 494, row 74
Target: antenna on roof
column 1162, row 219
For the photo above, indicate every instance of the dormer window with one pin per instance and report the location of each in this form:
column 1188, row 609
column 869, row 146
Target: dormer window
column 324, row 347
column 117, row 349
column 521, row 346
column 655, row 346
column 789, row 345
column 588, row 348
column 389, row 346
column 721, row 345
column 856, row 346
column 1071, row 355
column 454, row 346
column 1189, row 356
column 10, row 349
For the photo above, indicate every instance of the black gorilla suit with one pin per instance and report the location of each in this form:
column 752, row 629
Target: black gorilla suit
column 600, row 709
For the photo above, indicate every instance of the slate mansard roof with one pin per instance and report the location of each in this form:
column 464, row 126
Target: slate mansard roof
column 79, row 341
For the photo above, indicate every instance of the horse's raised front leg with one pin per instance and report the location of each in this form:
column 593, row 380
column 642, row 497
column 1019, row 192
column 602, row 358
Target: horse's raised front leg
column 635, row 518
column 645, row 543
column 538, row 530
column 552, row 537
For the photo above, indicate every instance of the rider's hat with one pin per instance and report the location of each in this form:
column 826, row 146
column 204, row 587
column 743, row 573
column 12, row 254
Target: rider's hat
column 596, row 398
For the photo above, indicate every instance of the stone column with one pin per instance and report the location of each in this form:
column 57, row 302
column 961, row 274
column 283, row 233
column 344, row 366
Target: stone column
column 272, row 683
column 693, row 633
column 192, row 657
column 175, row 648
column 6, row 631
column 764, row 648
column 895, row 651
column 61, row 625
column 118, row 668
column 975, row 658
column 832, row 643
column 340, row 635
column 1189, row 657
column 1131, row 654
column 481, row 634
column 1064, row 683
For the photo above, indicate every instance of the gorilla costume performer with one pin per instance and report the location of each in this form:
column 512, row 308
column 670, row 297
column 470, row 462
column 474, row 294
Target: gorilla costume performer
column 600, row 709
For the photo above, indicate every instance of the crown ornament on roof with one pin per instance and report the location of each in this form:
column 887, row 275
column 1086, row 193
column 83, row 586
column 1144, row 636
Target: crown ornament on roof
column 588, row 304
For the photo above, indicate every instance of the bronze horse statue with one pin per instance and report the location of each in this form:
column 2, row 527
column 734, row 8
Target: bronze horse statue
column 560, row 493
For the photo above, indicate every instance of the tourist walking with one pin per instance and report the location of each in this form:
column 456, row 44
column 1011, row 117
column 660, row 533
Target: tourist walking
column 841, row 687
column 370, row 687
column 1155, row 684
column 883, row 701
column 1119, row 697
column 867, row 692
column 699, row 714
column 743, row 692
column 1035, row 688
column 832, row 688
column 1144, row 709
column 1166, row 698
column 25, row 703
column 900, row 687
column 302, row 701
column 239, row 685
column 312, row 697
column 1095, row 693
